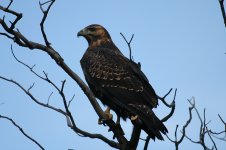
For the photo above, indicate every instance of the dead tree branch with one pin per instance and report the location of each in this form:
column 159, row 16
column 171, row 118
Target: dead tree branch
column 32, row 97
column 22, row 131
column 216, row 134
column 172, row 105
column 67, row 114
column 129, row 45
column 204, row 131
column 45, row 13
column 177, row 141
column 221, row 2
column 147, row 140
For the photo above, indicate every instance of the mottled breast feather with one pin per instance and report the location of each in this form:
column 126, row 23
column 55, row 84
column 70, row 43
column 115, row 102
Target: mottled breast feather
column 108, row 68
column 102, row 65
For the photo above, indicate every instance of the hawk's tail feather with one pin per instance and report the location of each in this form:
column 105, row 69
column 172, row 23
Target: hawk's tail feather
column 150, row 123
column 153, row 126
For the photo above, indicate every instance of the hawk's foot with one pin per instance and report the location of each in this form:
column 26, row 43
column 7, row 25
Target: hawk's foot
column 133, row 118
column 108, row 114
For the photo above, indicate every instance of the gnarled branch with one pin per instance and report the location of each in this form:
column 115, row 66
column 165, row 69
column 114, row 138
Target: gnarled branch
column 177, row 141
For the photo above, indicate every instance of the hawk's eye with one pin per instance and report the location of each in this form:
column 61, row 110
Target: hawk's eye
column 92, row 29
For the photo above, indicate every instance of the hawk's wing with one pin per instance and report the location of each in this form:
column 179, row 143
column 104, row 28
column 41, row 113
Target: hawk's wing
column 109, row 70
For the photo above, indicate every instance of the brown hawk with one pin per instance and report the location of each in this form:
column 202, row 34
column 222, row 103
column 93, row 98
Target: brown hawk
column 119, row 82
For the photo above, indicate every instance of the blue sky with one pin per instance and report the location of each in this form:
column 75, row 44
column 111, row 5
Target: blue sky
column 180, row 44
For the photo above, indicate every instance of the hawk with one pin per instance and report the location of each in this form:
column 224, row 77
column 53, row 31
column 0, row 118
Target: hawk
column 119, row 82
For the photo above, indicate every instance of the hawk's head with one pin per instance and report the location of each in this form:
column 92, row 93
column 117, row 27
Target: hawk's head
column 94, row 33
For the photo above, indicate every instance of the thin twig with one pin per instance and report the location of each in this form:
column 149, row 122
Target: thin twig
column 49, row 98
column 203, row 129
column 69, row 103
column 223, row 11
column 7, row 35
column 214, row 144
column 45, row 14
column 129, row 45
column 18, row 15
column 176, row 141
column 11, row 1
column 22, row 131
column 31, row 96
column 172, row 105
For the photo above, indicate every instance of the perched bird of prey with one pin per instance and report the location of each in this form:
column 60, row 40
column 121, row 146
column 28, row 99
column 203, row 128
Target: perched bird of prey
column 119, row 82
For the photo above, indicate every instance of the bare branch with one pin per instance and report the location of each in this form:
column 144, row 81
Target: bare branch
column 221, row 2
column 134, row 140
column 62, row 87
column 7, row 35
column 172, row 105
column 176, row 141
column 22, row 131
column 147, row 142
column 11, row 1
column 203, row 129
column 215, row 134
column 28, row 90
column 45, row 13
column 69, row 103
column 18, row 15
column 188, row 122
column 129, row 45
column 73, row 126
column 32, row 97
column 222, row 121
column 49, row 98
column 215, row 146
column 68, row 115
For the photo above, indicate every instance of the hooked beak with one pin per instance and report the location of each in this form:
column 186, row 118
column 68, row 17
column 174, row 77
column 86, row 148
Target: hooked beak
column 81, row 33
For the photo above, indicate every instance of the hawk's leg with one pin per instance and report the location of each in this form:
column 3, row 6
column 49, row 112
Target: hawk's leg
column 108, row 114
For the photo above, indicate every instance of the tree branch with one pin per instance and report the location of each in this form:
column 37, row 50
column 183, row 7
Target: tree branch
column 22, row 131
column 221, row 2
column 45, row 13
column 129, row 45
column 203, row 131
column 18, row 15
column 176, row 141
column 31, row 96
column 147, row 142
column 172, row 105
column 134, row 140
column 67, row 114
column 215, row 134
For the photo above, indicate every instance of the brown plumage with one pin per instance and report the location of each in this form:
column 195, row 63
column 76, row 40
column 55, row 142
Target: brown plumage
column 118, row 82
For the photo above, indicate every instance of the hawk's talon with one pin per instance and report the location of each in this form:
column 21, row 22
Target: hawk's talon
column 133, row 118
column 109, row 116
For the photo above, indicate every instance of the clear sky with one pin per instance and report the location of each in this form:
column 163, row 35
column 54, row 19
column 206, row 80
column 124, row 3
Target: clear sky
column 180, row 44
